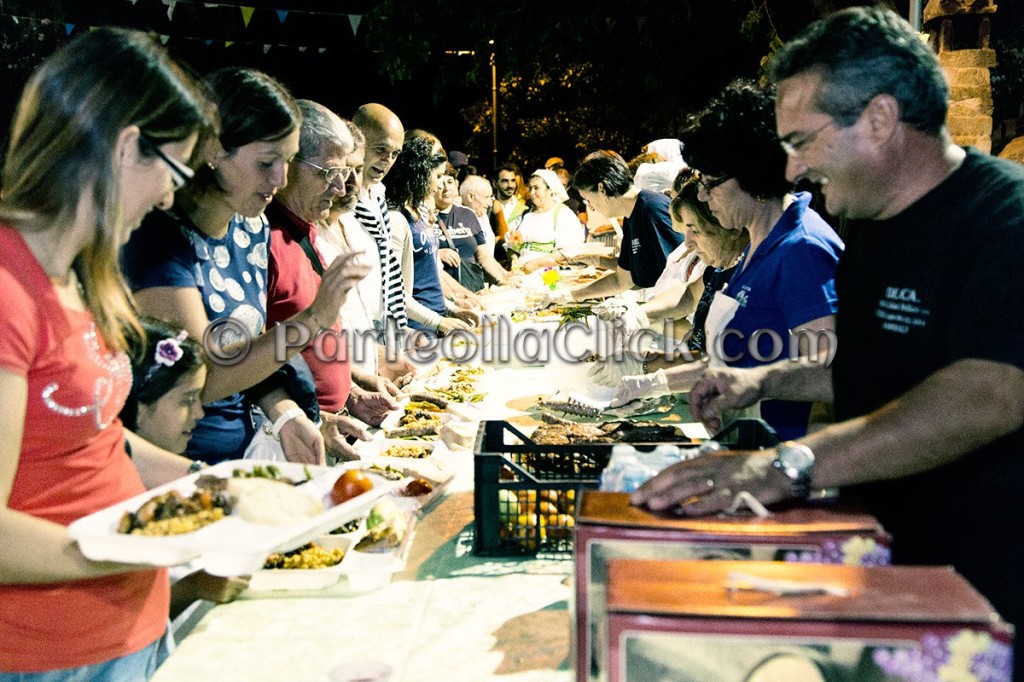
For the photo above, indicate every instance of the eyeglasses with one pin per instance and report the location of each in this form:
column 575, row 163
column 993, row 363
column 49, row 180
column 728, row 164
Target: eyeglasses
column 330, row 174
column 793, row 147
column 709, row 184
column 180, row 173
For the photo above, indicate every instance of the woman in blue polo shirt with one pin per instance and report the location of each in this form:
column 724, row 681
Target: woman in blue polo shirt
column 785, row 280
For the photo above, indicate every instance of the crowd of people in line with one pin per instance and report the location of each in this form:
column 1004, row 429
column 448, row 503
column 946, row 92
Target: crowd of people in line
column 123, row 325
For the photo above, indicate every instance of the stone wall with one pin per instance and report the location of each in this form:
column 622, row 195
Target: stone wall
column 967, row 70
column 970, row 95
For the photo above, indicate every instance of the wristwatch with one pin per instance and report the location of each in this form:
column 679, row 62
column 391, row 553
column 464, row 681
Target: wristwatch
column 796, row 462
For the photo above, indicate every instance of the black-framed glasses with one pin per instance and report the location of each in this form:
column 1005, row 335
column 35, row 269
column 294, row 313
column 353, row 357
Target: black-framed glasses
column 793, row 147
column 330, row 174
column 707, row 184
column 180, row 173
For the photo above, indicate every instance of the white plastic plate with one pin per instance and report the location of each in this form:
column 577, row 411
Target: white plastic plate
column 228, row 547
column 272, row 579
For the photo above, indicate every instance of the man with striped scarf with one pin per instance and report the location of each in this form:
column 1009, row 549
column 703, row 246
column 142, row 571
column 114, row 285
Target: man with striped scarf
column 384, row 136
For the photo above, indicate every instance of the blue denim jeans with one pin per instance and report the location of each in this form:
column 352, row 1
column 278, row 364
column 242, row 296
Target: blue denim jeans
column 137, row 667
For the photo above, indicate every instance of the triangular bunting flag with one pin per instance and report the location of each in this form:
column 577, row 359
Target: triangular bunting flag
column 171, row 4
column 228, row 43
column 69, row 28
column 133, row 1
column 302, row 49
column 266, row 49
column 282, row 14
column 208, row 41
column 354, row 19
column 322, row 50
column 164, row 39
column 16, row 20
column 640, row 21
column 246, row 15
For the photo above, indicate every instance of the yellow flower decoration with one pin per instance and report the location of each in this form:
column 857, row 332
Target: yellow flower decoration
column 963, row 647
column 855, row 548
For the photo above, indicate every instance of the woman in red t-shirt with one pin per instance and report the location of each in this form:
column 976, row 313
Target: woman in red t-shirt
column 101, row 136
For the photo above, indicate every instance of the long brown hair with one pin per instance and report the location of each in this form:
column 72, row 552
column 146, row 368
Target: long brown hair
column 62, row 140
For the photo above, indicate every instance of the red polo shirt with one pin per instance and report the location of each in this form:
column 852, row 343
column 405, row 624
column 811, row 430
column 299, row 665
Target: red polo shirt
column 292, row 284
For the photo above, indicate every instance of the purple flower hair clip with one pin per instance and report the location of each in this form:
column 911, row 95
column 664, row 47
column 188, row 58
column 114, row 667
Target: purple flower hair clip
column 168, row 351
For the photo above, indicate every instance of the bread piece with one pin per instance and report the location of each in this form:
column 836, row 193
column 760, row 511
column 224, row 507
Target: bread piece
column 459, row 435
column 272, row 503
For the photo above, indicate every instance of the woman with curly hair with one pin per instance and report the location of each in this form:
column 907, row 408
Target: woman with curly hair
column 785, row 281
column 416, row 175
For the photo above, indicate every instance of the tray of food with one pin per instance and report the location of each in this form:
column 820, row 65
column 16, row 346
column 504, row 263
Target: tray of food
column 366, row 550
column 456, row 383
column 417, row 420
column 313, row 566
column 231, row 515
column 411, row 464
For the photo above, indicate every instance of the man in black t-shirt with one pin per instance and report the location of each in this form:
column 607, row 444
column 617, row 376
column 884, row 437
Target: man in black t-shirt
column 928, row 377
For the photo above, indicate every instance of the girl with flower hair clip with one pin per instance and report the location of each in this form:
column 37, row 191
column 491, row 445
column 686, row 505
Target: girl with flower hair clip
column 168, row 375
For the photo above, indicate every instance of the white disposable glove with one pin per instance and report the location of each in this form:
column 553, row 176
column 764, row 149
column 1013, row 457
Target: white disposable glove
column 637, row 386
column 609, row 371
column 631, row 318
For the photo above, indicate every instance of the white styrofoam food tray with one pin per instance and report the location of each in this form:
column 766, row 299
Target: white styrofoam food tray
column 231, row 546
column 364, row 570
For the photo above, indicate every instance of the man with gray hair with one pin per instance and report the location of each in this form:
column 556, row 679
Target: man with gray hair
column 478, row 197
column 928, row 378
column 315, row 178
column 374, row 365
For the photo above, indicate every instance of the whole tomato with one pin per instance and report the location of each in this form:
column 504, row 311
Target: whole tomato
column 350, row 484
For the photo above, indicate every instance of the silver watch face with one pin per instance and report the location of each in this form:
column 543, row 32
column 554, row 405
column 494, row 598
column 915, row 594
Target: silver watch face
column 795, row 458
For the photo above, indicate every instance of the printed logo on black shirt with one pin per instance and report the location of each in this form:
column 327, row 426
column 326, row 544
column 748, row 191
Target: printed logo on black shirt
column 900, row 309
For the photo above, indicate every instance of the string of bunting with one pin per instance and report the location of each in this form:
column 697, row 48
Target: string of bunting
column 247, row 12
column 69, row 28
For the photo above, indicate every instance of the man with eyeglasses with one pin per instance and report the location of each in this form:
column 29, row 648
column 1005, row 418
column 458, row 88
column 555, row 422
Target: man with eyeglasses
column 928, row 379
column 295, row 267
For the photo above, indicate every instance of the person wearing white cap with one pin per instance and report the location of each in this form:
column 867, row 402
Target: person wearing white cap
column 669, row 148
column 547, row 226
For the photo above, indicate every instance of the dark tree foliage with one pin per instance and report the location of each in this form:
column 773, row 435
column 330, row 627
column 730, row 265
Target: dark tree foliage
column 575, row 76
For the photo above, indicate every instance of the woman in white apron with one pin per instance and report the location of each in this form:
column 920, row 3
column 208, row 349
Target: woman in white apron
column 784, row 284
column 694, row 272
column 548, row 226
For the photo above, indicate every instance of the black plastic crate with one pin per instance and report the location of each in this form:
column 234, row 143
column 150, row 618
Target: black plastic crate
column 525, row 494
column 524, row 500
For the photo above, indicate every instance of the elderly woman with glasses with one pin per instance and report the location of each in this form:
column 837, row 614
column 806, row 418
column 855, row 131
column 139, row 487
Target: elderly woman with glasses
column 783, row 289
column 785, row 281
column 205, row 265
column 693, row 274
column 548, row 226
